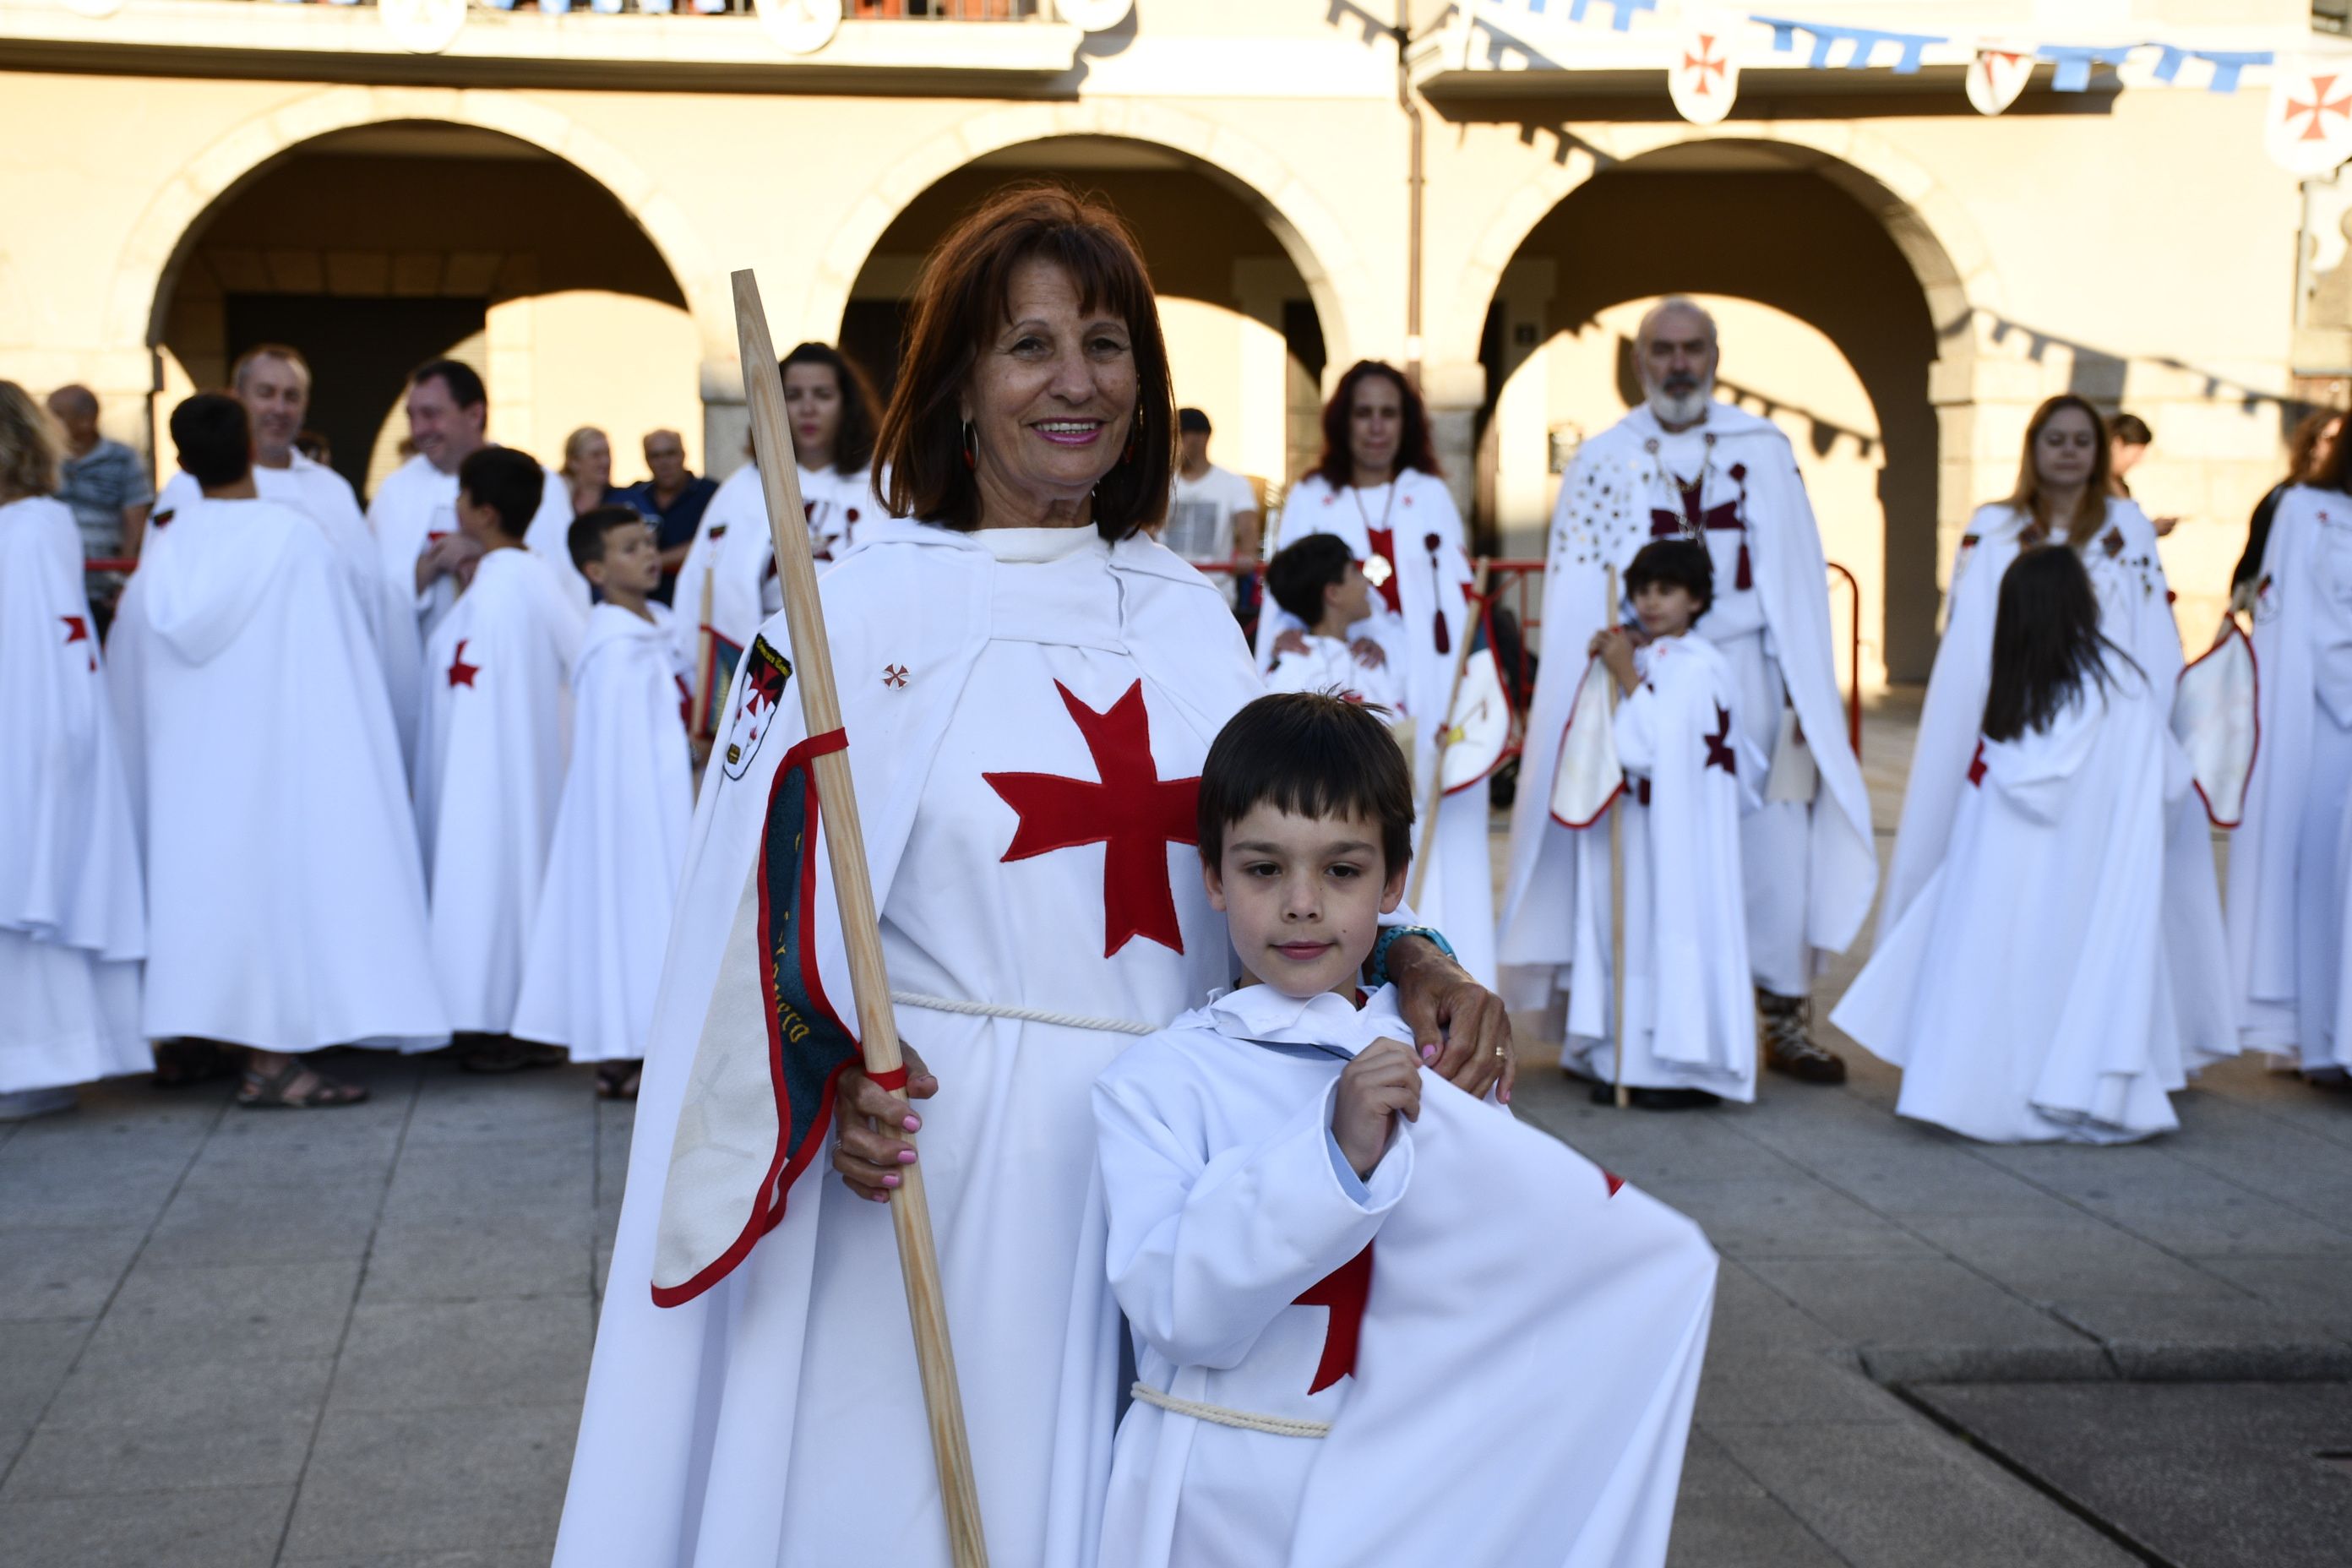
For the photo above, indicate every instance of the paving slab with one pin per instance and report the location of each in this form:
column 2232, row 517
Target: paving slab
column 240, row 1313
column 416, row 1261
column 2221, row 1475
column 224, row 1451
column 442, row 1355
column 1925, row 1317
column 34, row 1359
column 289, row 1223
column 2177, row 1338
column 382, row 1482
column 64, row 1273
column 233, row 1527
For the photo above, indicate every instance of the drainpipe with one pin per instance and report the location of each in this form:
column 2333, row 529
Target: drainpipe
column 1403, row 33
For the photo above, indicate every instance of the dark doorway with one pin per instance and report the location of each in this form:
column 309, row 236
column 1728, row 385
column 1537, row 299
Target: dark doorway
column 361, row 352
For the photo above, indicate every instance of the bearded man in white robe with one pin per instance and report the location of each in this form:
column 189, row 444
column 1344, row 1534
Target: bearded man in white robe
column 1686, row 465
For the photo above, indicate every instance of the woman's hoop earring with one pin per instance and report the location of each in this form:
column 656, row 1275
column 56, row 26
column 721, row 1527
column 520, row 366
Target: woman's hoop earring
column 970, row 448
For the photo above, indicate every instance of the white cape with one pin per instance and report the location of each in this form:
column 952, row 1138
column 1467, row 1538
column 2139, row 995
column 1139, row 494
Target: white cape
column 1225, row 1208
column 1432, row 575
column 417, row 504
column 286, row 904
column 714, row 1432
column 2023, row 991
column 72, row 916
column 490, row 775
column 1603, row 518
column 595, row 951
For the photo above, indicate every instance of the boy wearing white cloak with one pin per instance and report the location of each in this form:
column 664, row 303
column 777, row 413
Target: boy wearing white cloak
column 1327, row 1305
column 2022, row 990
column 1317, row 581
column 1689, row 1030
column 72, row 918
column 285, row 903
column 491, row 758
column 595, row 951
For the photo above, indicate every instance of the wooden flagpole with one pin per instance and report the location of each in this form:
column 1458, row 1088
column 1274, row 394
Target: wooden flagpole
column 705, row 657
column 1434, row 793
column 1616, row 885
column 911, row 1214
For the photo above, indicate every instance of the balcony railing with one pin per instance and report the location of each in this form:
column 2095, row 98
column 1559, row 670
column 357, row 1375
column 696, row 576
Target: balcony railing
column 855, row 10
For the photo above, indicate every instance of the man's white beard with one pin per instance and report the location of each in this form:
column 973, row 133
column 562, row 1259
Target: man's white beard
column 1687, row 409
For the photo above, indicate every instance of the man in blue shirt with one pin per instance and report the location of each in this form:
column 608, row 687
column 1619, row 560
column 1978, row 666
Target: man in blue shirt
column 672, row 500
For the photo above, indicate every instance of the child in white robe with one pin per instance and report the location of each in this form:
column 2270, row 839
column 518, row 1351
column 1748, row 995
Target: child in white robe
column 1318, row 580
column 491, row 758
column 1329, row 1306
column 595, row 952
column 1689, row 1028
column 2023, row 991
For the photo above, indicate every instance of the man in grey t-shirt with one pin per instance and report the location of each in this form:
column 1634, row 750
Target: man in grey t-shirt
column 103, row 481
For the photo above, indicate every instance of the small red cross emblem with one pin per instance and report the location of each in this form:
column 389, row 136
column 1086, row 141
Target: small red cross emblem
column 1977, row 766
column 1132, row 811
column 1719, row 753
column 1705, row 60
column 460, row 672
column 894, row 676
column 77, row 629
column 1345, row 1291
column 2320, row 106
column 1983, row 67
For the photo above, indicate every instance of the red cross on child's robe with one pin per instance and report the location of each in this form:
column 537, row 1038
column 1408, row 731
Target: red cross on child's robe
column 1129, row 810
column 460, row 672
column 1719, row 753
column 1345, row 1291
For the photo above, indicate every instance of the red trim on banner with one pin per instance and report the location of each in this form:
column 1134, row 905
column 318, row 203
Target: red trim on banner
column 2256, row 756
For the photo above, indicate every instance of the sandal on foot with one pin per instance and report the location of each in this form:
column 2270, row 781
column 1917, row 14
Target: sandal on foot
column 618, row 1081
column 266, row 1092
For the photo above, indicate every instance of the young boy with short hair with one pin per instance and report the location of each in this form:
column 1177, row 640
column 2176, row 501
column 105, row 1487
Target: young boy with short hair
column 1318, row 580
column 490, row 757
column 595, row 954
column 1689, row 1030
column 1343, row 1277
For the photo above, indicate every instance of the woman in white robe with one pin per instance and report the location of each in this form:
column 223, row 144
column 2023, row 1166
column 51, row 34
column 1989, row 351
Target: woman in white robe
column 1379, row 486
column 2022, row 991
column 2062, row 498
column 72, row 918
column 1024, row 748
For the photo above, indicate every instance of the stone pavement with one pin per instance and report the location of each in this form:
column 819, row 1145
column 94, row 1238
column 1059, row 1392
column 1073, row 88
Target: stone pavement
column 358, row 1338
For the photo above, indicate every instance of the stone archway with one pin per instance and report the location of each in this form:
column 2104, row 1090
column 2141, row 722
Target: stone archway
column 1317, row 243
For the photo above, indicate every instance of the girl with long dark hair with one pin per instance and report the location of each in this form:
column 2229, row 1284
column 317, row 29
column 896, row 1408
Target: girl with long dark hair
column 2024, row 992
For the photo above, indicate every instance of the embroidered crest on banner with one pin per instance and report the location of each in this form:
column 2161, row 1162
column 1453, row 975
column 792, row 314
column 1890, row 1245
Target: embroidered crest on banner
column 765, row 675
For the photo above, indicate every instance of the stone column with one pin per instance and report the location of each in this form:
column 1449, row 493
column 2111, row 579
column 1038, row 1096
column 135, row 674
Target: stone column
column 726, row 418
column 1455, row 391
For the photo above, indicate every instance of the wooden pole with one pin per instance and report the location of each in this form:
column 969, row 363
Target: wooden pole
column 911, row 1214
column 1616, row 886
column 706, row 657
column 1434, row 793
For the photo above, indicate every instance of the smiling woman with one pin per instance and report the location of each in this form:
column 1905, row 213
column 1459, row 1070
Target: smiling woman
column 1032, row 684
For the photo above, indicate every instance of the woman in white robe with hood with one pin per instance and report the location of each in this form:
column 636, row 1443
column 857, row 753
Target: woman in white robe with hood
column 1378, row 485
column 72, row 920
column 2021, row 991
column 2062, row 497
column 1028, row 749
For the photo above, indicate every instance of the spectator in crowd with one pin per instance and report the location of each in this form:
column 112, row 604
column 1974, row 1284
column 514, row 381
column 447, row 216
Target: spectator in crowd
column 2309, row 451
column 2128, row 439
column 588, row 470
column 1212, row 513
column 106, row 485
column 673, row 501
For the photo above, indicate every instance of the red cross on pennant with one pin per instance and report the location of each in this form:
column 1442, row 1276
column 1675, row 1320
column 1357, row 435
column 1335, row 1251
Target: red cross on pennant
column 2320, row 106
column 1705, row 60
column 1132, row 811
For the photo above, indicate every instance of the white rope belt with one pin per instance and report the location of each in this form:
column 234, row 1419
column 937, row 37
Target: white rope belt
column 1026, row 1014
column 1280, row 1426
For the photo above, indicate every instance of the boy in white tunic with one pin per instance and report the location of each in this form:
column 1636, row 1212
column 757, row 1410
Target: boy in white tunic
column 490, row 757
column 1328, row 1302
column 1689, row 1028
column 1318, row 580
column 595, row 952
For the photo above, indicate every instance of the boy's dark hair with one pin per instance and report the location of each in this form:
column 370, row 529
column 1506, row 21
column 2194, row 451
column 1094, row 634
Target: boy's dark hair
column 215, row 439
column 1297, row 575
column 586, row 535
column 1677, row 564
column 2046, row 642
column 508, row 483
column 464, row 383
column 1311, row 755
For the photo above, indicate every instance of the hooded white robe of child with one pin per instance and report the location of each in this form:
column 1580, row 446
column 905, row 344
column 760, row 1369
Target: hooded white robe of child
column 1057, row 695
column 1409, row 537
column 496, row 734
column 417, row 505
column 1810, row 866
column 1436, row 1316
column 2136, row 613
column 285, row 901
column 2021, row 992
column 1693, row 777
column 595, row 954
column 1330, row 666
column 73, row 920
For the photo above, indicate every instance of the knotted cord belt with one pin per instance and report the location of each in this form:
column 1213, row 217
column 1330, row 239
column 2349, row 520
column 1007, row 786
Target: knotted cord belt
column 1280, row 1426
column 1025, row 1014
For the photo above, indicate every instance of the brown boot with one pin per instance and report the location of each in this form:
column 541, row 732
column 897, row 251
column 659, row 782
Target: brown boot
column 1789, row 1045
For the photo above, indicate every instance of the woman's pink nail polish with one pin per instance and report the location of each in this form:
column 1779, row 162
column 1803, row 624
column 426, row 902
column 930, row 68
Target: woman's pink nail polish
column 906, row 1156
column 1429, row 1053
column 891, row 1180
column 913, row 1123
